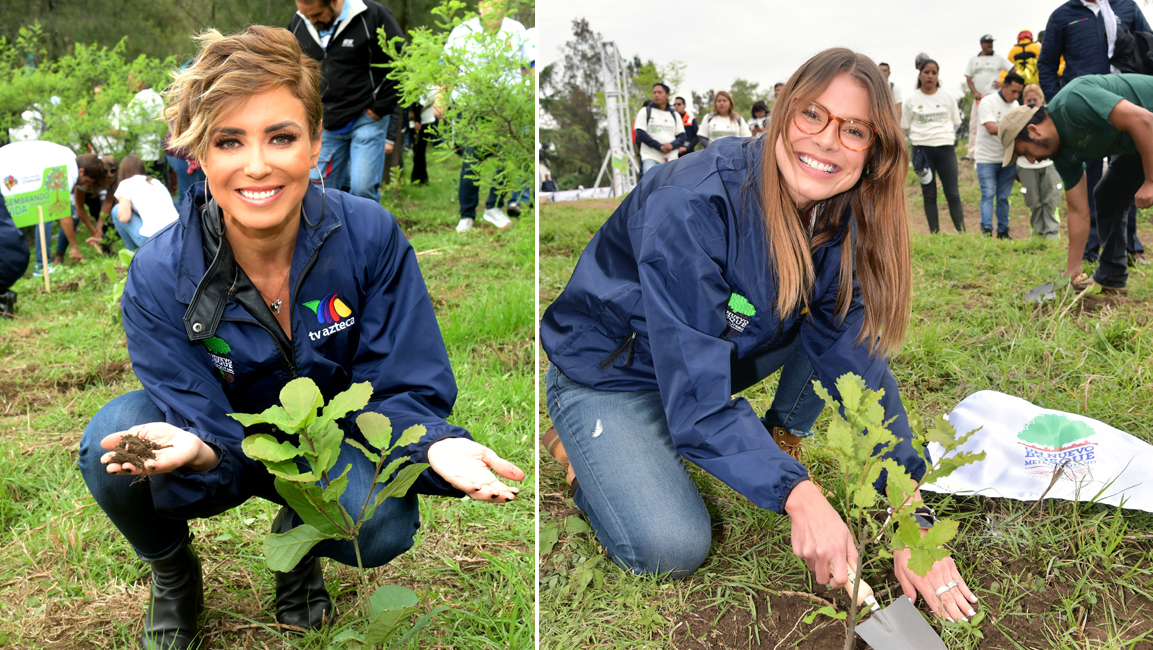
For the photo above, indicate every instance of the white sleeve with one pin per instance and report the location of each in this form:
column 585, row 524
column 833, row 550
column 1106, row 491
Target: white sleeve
column 954, row 112
column 745, row 132
column 985, row 113
column 907, row 114
column 703, row 126
column 969, row 67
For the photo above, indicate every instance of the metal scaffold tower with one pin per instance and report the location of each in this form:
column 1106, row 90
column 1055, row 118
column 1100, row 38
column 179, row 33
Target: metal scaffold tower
column 619, row 158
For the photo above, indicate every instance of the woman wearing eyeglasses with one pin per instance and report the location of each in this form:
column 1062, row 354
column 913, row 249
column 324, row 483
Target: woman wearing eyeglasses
column 785, row 252
column 931, row 117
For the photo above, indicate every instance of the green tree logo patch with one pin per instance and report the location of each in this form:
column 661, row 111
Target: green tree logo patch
column 221, row 354
column 738, row 313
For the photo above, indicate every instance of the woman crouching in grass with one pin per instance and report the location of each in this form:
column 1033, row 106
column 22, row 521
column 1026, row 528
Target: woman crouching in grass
column 218, row 319
column 784, row 252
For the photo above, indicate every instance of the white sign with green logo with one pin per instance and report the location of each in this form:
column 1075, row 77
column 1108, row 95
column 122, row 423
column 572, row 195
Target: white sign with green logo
column 35, row 176
column 1026, row 446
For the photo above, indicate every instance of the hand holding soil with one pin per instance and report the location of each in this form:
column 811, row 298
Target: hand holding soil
column 163, row 448
column 466, row 464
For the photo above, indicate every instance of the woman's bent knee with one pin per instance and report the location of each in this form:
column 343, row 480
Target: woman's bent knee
column 675, row 552
column 390, row 532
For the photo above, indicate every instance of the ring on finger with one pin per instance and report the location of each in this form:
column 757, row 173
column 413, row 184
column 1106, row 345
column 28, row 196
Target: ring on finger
column 942, row 589
column 951, row 584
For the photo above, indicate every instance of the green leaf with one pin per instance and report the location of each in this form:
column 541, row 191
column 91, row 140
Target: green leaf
column 110, row 270
column 392, row 597
column 549, row 535
column 126, row 256
column 273, row 415
column 387, row 624
column 923, row 558
column 372, row 456
column 326, row 439
column 264, row 447
column 399, row 486
column 288, row 470
column 410, row 436
column 390, row 468
column 302, row 499
column 375, row 428
column 346, row 636
column 575, row 525
column 851, row 387
column 585, row 573
column 337, row 486
column 353, row 399
column 300, row 398
column 827, row 610
column 941, row 532
column 283, row 551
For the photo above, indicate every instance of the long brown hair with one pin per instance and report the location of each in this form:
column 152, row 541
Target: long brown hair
column 879, row 247
column 131, row 166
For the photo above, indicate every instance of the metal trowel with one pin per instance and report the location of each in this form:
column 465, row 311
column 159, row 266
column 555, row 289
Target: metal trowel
column 1041, row 292
column 897, row 627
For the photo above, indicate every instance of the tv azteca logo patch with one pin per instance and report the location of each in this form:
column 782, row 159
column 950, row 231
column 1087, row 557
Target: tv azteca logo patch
column 330, row 310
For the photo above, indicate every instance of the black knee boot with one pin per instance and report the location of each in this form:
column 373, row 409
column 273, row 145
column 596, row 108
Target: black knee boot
column 301, row 598
column 177, row 597
column 7, row 304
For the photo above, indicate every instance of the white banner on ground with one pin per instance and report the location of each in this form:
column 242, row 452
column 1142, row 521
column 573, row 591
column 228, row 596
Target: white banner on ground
column 576, row 195
column 1025, row 445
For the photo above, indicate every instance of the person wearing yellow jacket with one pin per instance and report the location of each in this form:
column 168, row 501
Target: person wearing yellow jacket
column 1024, row 56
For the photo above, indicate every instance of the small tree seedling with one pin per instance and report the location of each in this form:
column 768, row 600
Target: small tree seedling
column 304, row 469
column 858, row 437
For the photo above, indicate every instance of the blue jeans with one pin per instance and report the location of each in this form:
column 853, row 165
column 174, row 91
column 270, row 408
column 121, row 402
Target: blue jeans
column 354, row 160
column 152, row 534
column 184, row 178
column 129, row 232
column 633, row 486
column 648, row 164
column 468, row 195
column 996, row 184
column 36, row 246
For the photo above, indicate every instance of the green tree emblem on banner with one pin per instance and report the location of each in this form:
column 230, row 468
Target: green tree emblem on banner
column 1054, row 431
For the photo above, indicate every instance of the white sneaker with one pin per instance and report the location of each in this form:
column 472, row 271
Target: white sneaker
column 497, row 218
column 465, row 225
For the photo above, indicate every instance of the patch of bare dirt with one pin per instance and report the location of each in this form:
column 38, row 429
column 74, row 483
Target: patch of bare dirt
column 20, row 387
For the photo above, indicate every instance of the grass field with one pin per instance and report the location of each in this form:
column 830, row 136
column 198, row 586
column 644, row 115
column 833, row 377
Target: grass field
column 69, row 580
column 1062, row 576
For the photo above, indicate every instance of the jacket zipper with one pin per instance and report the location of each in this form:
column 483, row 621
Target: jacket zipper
column 626, row 345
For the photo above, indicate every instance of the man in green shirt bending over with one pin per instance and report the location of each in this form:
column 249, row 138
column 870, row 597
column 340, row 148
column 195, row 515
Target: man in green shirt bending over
column 1094, row 117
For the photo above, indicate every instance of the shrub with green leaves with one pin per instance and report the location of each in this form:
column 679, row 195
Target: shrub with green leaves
column 858, row 437
column 493, row 106
column 311, row 484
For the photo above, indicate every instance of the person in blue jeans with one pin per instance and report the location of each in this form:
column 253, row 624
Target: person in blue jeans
column 263, row 279
column 788, row 251
column 996, row 181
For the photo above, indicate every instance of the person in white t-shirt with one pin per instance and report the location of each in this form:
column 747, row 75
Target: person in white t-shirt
column 1040, row 182
column 931, row 118
column 722, row 122
column 896, row 92
column 144, row 206
column 982, row 75
column 996, row 181
column 659, row 130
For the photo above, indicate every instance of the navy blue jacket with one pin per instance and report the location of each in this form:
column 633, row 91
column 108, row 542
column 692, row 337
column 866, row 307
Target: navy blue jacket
column 1075, row 33
column 360, row 312
column 659, row 275
column 13, row 250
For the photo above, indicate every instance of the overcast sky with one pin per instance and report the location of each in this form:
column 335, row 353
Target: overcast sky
column 766, row 40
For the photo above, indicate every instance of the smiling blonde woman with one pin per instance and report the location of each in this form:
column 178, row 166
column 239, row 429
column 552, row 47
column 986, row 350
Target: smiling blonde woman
column 239, row 296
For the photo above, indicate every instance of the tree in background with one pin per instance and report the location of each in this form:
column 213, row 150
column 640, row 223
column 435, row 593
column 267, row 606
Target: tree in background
column 494, row 109
column 573, row 97
column 747, row 93
column 83, row 99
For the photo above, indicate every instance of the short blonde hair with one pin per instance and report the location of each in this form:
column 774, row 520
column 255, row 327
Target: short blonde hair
column 1033, row 88
column 228, row 70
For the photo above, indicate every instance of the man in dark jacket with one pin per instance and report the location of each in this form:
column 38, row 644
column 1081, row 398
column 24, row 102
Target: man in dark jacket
column 358, row 97
column 1084, row 33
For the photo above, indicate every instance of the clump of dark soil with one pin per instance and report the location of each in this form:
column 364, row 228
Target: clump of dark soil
column 136, row 450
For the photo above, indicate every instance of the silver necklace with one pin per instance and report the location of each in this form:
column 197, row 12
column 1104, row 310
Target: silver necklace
column 275, row 306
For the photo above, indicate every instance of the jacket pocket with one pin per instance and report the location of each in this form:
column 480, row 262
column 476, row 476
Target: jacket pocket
column 626, row 348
